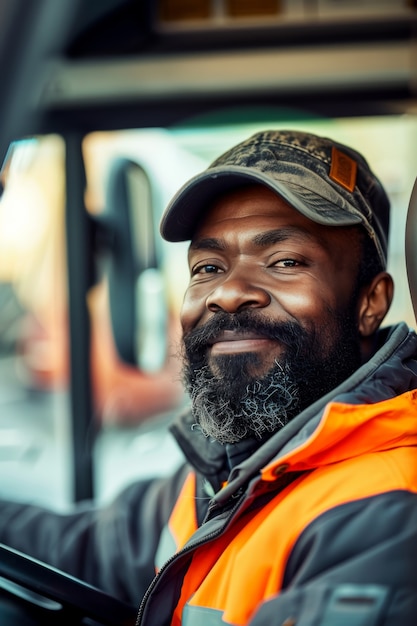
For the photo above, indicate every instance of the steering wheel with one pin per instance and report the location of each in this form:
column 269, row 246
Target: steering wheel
column 35, row 594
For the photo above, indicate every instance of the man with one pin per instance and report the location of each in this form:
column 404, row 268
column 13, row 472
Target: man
column 297, row 504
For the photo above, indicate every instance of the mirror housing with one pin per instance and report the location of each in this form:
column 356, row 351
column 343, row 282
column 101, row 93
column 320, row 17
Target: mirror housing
column 411, row 246
column 129, row 259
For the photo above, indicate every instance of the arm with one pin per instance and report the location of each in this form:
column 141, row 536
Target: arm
column 112, row 548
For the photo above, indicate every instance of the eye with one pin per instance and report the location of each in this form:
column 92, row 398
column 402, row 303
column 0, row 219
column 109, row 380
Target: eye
column 205, row 268
column 286, row 263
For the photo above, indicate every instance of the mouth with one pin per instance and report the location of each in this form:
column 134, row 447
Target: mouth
column 233, row 342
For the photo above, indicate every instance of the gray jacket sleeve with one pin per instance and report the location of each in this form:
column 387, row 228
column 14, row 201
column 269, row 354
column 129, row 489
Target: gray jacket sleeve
column 112, row 548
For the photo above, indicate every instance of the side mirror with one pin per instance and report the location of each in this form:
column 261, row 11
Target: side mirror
column 130, row 260
column 411, row 247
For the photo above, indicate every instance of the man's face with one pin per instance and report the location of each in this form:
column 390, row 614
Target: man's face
column 269, row 318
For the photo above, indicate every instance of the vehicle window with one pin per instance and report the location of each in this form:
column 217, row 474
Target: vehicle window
column 33, row 325
column 131, row 407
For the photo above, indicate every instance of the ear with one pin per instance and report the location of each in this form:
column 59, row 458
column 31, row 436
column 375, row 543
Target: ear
column 374, row 302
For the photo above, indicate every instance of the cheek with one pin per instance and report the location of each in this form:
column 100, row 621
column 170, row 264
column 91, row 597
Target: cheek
column 191, row 311
column 306, row 304
column 315, row 307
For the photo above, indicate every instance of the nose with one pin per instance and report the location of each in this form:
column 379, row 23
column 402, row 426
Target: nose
column 236, row 294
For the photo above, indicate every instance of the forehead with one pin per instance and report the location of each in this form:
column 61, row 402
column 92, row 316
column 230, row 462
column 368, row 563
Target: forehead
column 256, row 209
column 246, row 202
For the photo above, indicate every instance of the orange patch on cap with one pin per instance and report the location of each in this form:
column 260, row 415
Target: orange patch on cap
column 343, row 169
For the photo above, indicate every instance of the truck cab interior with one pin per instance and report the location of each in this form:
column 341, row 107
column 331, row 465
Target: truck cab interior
column 107, row 107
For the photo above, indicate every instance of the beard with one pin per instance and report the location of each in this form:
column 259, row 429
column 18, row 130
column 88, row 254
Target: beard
column 230, row 403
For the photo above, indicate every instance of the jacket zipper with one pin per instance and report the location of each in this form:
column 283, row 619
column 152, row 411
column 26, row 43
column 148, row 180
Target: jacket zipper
column 182, row 552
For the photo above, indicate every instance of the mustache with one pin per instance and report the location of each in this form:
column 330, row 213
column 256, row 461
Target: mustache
column 288, row 332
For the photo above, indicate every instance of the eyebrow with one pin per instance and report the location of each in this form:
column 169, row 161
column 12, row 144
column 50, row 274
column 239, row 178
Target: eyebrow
column 281, row 234
column 208, row 243
column 262, row 240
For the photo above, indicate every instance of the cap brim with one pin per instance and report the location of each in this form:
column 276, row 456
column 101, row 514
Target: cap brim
column 320, row 202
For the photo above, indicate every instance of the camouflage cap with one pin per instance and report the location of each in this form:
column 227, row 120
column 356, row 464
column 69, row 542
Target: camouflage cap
column 326, row 181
